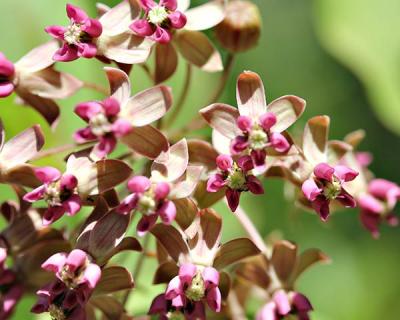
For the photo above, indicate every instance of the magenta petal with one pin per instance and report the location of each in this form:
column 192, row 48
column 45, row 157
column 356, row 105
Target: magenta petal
column 177, row 19
column 224, row 162
column 215, row 183
column 345, row 173
column 87, row 50
column 52, row 214
column 105, row 146
column 147, row 4
column 267, row 120
column 167, row 212
column 142, row 28
column 214, row 299
column 55, row 263
column 392, row 220
column 174, row 288
column 279, row 142
column 158, row 305
column 232, row 196
column 66, row 53
column 139, row 184
column 324, row 171
column 321, row 206
column 72, row 205
column 111, row 107
column 258, row 157
column 70, row 300
column 371, row 223
column 244, row 123
column 239, row 144
column 93, row 27
column 364, row 158
column 162, row 190
column 370, row 204
column 92, row 275
column 47, row 174
column 84, row 135
column 379, row 188
column 254, row 185
column 68, row 181
column 87, row 110
column 186, row 272
column 161, row 35
column 346, row 200
column 282, row 302
column 245, row 163
column 310, row 189
column 76, row 258
column 6, row 66
column 169, row 4
column 128, row 204
column 210, row 276
column 146, row 223
column 267, row 312
column 121, row 127
column 6, row 88
column 56, row 32
column 35, row 194
column 301, row 303
column 76, row 14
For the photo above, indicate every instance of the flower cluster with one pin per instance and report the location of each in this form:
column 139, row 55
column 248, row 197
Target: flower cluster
column 129, row 172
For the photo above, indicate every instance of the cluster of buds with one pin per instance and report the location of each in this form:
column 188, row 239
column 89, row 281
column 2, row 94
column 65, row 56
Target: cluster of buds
column 163, row 182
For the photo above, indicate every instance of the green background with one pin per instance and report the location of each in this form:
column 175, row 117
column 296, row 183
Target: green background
column 341, row 56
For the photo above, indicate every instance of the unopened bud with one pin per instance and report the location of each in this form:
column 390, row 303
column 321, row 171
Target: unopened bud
column 241, row 28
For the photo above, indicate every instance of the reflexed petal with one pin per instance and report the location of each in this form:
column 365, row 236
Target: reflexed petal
column 371, row 223
column 321, row 206
column 167, row 212
column 371, row 204
column 315, row 138
column 222, row 118
column 47, row 174
column 40, row 57
column 232, row 196
column 345, row 173
column 174, row 288
column 120, row 85
column 346, row 200
column 301, row 302
column 72, row 205
column 214, row 299
column 166, row 62
column 116, row 20
column 324, row 171
column 205, row 16
column 55, row 263
column 142, row 28
column 279, row 142
column 76, row 14
column 310, row 189
column 139, row 184
column 254, row 185
column 250, row 95
column 158, row 305
column 177, row 19
column 105, row 146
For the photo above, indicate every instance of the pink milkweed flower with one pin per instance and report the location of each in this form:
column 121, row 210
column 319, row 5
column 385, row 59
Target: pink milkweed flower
column 59, row 191
column 236, row 177
column 171, row 179
column 254, row 128
column 11, row 290
column 125, row 117
column 159, row 20
column 77, row 38
column 285, row 304
column 7, row 72
column 377, row 205
column 77, row 277
column 327, row 185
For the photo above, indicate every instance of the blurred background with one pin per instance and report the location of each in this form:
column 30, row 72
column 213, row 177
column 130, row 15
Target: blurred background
column 343, row 57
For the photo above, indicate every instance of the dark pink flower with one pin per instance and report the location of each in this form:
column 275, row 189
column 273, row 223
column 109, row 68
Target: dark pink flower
column 7, row 72
column 236, row 177
column 327, row 185
column 159, row 20
column 77, row 277
column 59, row 191
column 377, row 205
column 78, row 37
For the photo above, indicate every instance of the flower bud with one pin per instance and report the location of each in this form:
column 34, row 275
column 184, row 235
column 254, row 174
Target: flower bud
column 240, row 30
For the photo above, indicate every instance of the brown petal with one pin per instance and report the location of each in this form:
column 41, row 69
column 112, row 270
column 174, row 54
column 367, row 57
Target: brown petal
column 186, row 211
column 22, row 147
column 165, row 272
column 205, row 16
column 222, row 117
column 198, row 50
column 235, row 250
column 250, row 95
column 315, row 139
column 355, row 138
column 127, row 244
column 147, row 141
column 287, row 110
column 120, row 85
column 172, row 241
column 107, row 234
column 307, row 259
column 110, row 173
column 202, row 152
column 47, row 108
column 256, row 273
column 147, row 106
column 210, row 227
column 224, row 284
column 283, row 259
column 207, row 199
column 114, row 279
column 337, row 150
column 23, row 175
column 166, row 62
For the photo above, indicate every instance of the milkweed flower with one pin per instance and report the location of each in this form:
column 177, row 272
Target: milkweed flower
column 236, row 177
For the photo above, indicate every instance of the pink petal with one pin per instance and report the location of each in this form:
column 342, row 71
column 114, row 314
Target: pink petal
column 169, row 4
column 52, row 214
column 345, row 173
column 254, row 185
column 161, row 35
column 121, row 127
column 105, row 146
column 321, row 206
column 371, row 204
column 162, row 190
column 187, row 271
column 232, row 196
column 239, row 144
column 167, row 212
column 310, row 189
column 267, row 120
column 56, row 32
column 6, row 88
column 282, row 302
column 76, row 14
column 92, row 275
column 47, row 174
column 177, row 19
column 179, row 302
column 142, row 28
column 111, row 107
column 346, row 200
column 68, row 181
column 72, row 205
column 174, row 288
column 76, row 259
column 146, row 223
column 392, row 220
column 148, row 4
column 364, row 158
column 35, row 194
column 267, row 312
column 139, row 184
column 128, row 204
column 87, row 110
column 87, row 50
column 244, row 123
column 214, row 299
column 245, row 163
column 371, row 223
column 224, row 162
column 158, row 305
column 66, row 53
column 84, row 135
column 210, row 276
column 379, row 188
column 324, row 171
column 93, row 27
column 279, row 142
column 6, row 66
column 301, row 303
column 215, row 183
column 55, row 263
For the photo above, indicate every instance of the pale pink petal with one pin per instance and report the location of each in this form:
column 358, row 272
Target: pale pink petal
column 76, row 258
column 87, row 110
column 174, row 288
column 121, row 127
column 177, row 19
column 214, row 299
column 215, row 183
column 310, row 189
column 162, row 190
column 142, row 28
column 267, row 312
column 380, row 187
column 35, row 194
column 55, row 263
column 92, row 275
column 345, row 173
column 244, row 123
column 267, row 120
column 186, row 273
column 47, row 174
column 128, row 204
column 72, row 205
column 324, row 171
column 6, row 88
column 120, row 85
column 210, row 277
column 76, row 14
column 282, row 302
column 250, row 95
column 167, row 212
column 205, row 16
column 371, row 204
column 139, row 184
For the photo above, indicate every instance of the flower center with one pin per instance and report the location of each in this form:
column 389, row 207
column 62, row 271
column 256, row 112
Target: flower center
column 99, row 124
column 236, row 178
column 73, row 34
column 175, row 315
column 258, row 138
column 332, row 189
column 52, row 194
column 196, row 289
column 146, row 204
column 158, row 15
column 56, row 313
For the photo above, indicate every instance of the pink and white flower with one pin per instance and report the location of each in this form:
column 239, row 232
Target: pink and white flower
column 235, row 177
